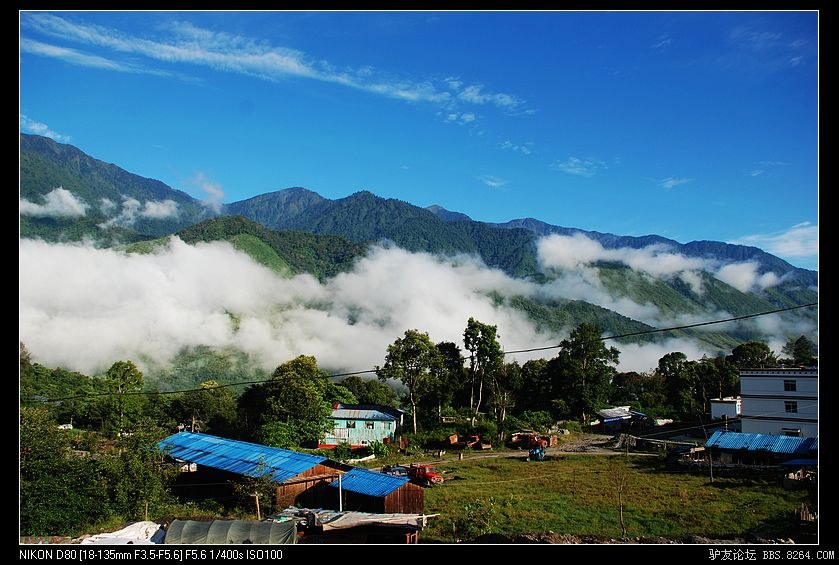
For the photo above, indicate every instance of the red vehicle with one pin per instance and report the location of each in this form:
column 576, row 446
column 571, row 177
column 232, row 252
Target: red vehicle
column 419, row 473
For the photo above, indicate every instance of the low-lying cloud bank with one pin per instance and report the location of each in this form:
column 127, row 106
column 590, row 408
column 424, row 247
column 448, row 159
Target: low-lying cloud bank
column 83, row 307
column 58, row 203
column 576, row 252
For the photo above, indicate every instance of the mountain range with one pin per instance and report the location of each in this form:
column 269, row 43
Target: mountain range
column 67, row 195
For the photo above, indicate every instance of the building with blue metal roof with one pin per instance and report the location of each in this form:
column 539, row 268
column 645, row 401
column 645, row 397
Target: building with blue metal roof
column 379, row 492
column 300, row 477
column 761, row 448
column 240, row 457
column 359, row 427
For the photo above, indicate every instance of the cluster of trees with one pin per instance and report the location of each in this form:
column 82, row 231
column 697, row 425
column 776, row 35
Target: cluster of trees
column 109, row 464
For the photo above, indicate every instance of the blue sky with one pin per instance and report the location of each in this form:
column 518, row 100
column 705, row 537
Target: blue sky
column 691, row 125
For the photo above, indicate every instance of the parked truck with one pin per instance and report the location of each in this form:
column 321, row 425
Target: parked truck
column 422, row 474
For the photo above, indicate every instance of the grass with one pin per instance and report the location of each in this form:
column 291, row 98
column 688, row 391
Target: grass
column 575, row 495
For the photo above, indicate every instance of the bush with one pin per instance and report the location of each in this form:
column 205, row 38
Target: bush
column 540, row 420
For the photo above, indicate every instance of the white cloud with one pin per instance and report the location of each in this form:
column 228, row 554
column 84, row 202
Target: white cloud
column 565, row 253
column 801, row 240
column 184, row 42
column 212, row 189
column 663, row 41
column 160, row 209
column 492, row 182
column 643, row 357
column 58, row 203
column 524, row 148
column 75, row 57
column 475, row 95
column 111, row 305
column 460, row 118
column 107, row 206
column 133, row 209
column 580, row 167
column 672, row 182
column 31, row 126
column 744, row 277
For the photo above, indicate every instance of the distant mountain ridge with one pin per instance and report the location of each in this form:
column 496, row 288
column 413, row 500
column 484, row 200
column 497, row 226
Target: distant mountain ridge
column 360, row 217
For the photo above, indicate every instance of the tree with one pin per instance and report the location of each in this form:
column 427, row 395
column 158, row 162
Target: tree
column 137, row 476
column 124, row 405
column 485, row 357
column 59, row 492
column 716, row 376
column 413, row 360
column 296, row 396
column 258, row 485
column 212, row 408
column 503, row 384
column 582, row 371
column 679, row 381
column 535, row 391
column 801, row 351
column 752, row 354
column 370, row 391
column 449, row 376
column 619, row 473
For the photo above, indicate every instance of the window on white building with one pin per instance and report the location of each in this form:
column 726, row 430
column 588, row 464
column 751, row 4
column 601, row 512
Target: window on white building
column 789, row 386
column 350, row 425
column 369, row 425
column 790, row 406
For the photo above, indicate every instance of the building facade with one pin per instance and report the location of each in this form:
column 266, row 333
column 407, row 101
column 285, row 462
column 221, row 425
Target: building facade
column 359, row 427
column 725, row 408
column 780, row 401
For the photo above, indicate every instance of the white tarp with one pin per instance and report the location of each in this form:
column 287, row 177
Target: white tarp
column 139, row 533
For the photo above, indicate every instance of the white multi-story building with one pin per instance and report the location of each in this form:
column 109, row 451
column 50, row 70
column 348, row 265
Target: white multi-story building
column 780, row 401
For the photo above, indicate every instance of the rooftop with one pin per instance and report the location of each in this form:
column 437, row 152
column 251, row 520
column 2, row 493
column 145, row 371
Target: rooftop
column 238, row 456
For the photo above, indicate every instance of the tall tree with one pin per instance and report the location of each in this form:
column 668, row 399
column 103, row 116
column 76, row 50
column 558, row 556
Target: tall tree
column 716, row 376
column 679, row 379
column 583, row 370
column 503, row 384
column 59, row 493
column 449, row 375
column 801, row 351
column 535, row 393
column 212, row 408
column 413, row 360
column 370, row 391
column 752, row 354
column 124, row 404
column 485, row 357
column 294, row 397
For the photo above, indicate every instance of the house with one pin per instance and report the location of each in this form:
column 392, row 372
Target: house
column 369, row 491
column 780, row 401
column 219, row 460
column 620, row 418
column 725, row 408
column 303, row 480
column 359, row 427
column 759, row 449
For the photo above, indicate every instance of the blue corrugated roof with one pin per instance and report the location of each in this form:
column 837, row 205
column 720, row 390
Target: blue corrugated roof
column 369, row 482
column 346, row 414
column 238, row 456
column 762, row 442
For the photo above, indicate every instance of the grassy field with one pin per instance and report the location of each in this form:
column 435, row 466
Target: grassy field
column 576, row 494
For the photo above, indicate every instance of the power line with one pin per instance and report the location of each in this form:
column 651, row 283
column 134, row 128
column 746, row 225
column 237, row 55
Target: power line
column 352, row 373
column 674, row 328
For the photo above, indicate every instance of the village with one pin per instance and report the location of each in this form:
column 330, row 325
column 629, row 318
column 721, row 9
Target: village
column 769, row 431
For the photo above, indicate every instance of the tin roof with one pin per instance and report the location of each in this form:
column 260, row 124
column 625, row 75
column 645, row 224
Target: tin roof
column 345, row 414
column 616, row 413
column 238, row 456
column 369, row 482
column 762, row 442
